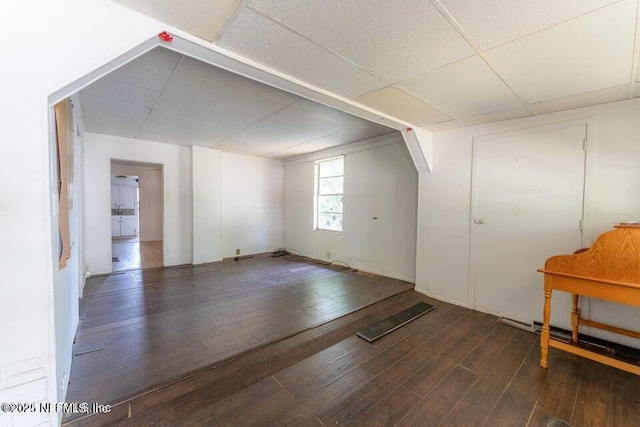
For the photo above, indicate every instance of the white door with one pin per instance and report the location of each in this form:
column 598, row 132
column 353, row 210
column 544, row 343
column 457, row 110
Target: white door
column 528, row 206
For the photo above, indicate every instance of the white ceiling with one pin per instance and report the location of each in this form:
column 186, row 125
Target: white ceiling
column 166, row 97
column 438, row 64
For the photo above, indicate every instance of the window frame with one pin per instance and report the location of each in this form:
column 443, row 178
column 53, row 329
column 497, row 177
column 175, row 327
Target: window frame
column 316, row 194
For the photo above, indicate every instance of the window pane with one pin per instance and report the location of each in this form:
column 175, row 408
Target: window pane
column 333, row 167
column 329, row 204
column 330, row 221
column 330, row 185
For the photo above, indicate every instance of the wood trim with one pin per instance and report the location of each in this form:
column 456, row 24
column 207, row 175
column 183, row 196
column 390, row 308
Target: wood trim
column 601, row 358
column 590, row 279
column 610, row 328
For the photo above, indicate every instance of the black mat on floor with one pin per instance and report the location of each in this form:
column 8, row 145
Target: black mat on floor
column 115, row 259
column 392, row 323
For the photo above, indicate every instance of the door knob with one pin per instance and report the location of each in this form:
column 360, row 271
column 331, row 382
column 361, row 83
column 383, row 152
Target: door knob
column 478, row 220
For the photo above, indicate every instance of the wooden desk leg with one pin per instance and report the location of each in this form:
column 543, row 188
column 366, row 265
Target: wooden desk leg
column 544, row 335
column 575, row 315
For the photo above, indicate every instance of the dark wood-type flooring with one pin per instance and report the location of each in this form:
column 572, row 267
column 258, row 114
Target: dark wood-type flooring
column 450, row 367
column 158, row 325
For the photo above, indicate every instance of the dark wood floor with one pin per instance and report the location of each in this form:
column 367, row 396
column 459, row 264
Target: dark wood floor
column 158, row 325
column 452, row 366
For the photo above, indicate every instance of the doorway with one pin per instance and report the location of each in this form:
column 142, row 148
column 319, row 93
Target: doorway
column 136, row 215
column 527, row 205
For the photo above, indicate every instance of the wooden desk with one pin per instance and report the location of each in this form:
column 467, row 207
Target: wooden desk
column 609, row 270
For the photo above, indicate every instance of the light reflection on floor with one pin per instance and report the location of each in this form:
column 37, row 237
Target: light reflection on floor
column 133, row 254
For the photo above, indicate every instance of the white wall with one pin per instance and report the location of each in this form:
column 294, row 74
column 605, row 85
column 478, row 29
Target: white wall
column 206, row 205
column 70, row 280
column 177, row 200
column 612, row 178
column 379, row 182
column 225, row 201
column 41, row 63
column 252, row 203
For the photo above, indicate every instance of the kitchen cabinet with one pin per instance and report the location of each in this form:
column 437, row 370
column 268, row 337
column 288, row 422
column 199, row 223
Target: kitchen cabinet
column 123, row 196
column 124, row 226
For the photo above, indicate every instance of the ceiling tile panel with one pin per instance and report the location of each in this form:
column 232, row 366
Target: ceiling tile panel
column 492, row 23
column 94, row 106
column 328, row 112
column 184, row 130
column 205, row 110
column 394, row 39
column 272, row 134
column 398, row 104
column 202, row 91
column 123, row 92
column 294, row 117
column 582, row 100
column 359, row 133
column 203, row 18
column 466, row 88
column 586, row 54
column 216, row 75
column 151, row 71
column 268, row 43
column 498, row 116
column 451, row 124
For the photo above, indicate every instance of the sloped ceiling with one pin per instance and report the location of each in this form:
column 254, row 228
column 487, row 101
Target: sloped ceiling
column 164, row 96
column 438, row 64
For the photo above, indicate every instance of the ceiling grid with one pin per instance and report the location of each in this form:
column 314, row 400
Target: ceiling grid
column 439, row 64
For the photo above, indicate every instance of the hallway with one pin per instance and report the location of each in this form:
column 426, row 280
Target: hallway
column 132, row 254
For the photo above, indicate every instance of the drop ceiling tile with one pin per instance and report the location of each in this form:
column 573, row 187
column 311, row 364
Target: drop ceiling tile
column 328, row 112
column 208, row 72
column 396, row 103
column 205, row 110
column 161, row 57
column 366, row 131
column 203, row 91
column 270, row 44
column 93, row 106
column 394, row 39
column 116, row 126
column 204, row 18
column 498, row 116
column 181, row 131
column 150, row 71
column 492, row 23
column 168, row 134
column 207, row 132
column 451, row 124
column 582, row 100
column 119, row 91
column 271, row 134
column 589, row 53
column 299, row 118
column 289, row 152
column 463, row 89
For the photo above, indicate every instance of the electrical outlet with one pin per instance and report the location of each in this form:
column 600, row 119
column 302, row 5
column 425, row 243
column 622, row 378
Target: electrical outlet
column 328, row 255
column 237, row 251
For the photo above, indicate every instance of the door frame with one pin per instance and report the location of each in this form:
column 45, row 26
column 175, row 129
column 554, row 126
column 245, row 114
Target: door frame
column 588, row 193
